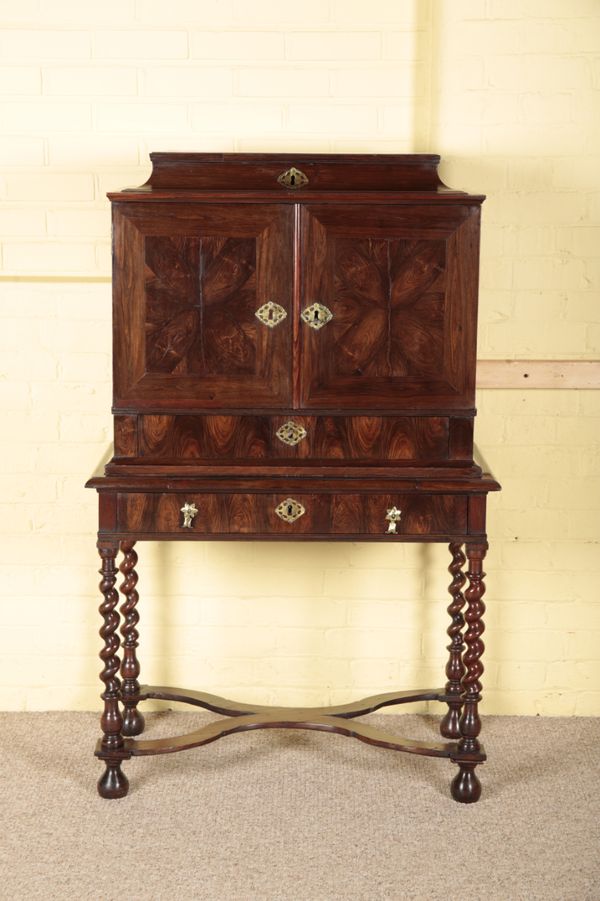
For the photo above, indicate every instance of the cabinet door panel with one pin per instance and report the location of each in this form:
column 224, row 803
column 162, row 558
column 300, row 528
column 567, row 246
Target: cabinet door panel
column 401, row 285
column 188, row 280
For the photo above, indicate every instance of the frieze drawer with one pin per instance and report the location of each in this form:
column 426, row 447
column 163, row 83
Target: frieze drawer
column 390, row 516
column 189, row 439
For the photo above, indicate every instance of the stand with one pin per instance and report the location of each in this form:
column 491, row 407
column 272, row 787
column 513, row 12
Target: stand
column 461, row 693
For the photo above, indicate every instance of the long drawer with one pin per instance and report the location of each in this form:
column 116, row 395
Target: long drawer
column 205, row 438
column 190, row 515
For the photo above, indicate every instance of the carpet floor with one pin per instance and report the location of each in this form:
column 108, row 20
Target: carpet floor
column 278, row 815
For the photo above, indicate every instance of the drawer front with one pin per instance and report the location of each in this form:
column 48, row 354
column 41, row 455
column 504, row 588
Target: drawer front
column 270, row 515
column 190, row 439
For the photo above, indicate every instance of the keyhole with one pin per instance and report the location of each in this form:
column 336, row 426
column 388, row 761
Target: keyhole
column 292, row 180
column 270, row 315
column 289, row 509
column 316, row 316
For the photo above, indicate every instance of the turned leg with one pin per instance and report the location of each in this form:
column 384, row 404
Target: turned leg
column 133, row 721
column 113, row 784
column 455, row 668
column 466, row 787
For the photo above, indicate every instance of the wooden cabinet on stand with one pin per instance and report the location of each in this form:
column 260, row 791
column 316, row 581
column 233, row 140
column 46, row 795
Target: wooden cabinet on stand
column 294, row 359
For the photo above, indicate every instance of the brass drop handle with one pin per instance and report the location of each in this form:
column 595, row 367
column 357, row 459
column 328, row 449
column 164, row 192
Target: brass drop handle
column 393, row 517
column 189, row 511
column 316, row 315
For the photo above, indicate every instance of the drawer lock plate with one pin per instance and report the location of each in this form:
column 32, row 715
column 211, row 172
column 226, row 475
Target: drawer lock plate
column 291, row 433
column 316, row 315
column 293, row 178
column 290, row 510
column 271, row 314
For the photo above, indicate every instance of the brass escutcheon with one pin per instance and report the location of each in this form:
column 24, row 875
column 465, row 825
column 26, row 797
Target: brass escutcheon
column 271, row 314
column 316, row 315
column 293, row 178
column 290, row 510
column 291, row 433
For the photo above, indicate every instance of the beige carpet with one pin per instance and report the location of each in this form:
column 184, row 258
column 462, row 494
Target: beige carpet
column 300, row 815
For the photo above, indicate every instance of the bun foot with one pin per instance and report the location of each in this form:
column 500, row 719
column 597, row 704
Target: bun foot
column 114, row 783
column 449, row 726
column 466, row 787
column 133, row 722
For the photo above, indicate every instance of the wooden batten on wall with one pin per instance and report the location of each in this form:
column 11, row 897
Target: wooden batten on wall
column 575, row 374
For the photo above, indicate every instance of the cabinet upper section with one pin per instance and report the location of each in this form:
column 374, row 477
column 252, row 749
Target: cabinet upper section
column 358, row 296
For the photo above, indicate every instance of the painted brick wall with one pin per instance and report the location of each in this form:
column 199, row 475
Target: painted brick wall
column 509, row 93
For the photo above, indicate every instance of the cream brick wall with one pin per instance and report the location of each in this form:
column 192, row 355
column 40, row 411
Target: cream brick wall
column 509, row 93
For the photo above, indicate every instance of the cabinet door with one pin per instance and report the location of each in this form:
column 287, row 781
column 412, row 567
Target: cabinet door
column 189, row 279
column 400, row 283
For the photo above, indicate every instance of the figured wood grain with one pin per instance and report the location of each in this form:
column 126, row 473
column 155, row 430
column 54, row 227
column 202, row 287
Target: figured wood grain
column 388, row 298
column 126, row 436
column 200, row 303
column 460, row 344
column 254, row 438
column 222, row 514
column 188, row 282
column 400, row 285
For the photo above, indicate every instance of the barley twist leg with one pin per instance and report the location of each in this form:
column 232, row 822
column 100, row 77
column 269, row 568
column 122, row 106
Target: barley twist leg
column 133, row 721
column 114, row 783
column 455, row 668
column 466, row 787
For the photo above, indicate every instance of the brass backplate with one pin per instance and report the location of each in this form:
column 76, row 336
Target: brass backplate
column 271, row 314
column 293, row 178
column 189, row 511
column 316, row 315
column 291, row 433
column 290, row 510
column 393, row 517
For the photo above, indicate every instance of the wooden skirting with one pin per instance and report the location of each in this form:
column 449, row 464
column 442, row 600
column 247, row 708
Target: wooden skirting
column 538, row 374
